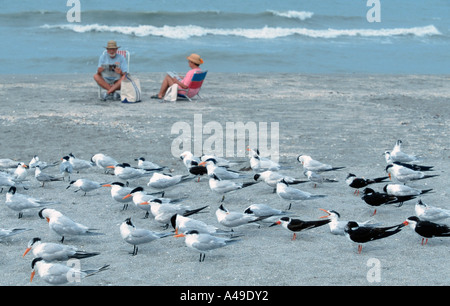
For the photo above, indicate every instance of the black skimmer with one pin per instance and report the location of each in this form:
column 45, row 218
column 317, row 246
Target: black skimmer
column 427, row 229
column 297, row 225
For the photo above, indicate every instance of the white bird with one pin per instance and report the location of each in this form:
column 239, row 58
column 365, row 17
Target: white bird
column 136, row 236
column 118, row 193
column 204, row 243
column 293, row 194
column 309, row 163
column 79, row 164
column 317, row 178
column 6, row 180
column 221, row 172
column 35, row 161
column 426, row 212
column 64, row 226
column 397, row 155
column 162, row 181
column 259, row 163
column 183, row 224
column 220, row 161
column 187, row 157
column 50, row 251
column 21, row 202
column 404, row 174
column 102, row 161
column 85, row 185
column 271, row 178
column 8, row 232
column 163, row 212
column 125, row 172
column 138, row 196
column 233, row 219
column 43, row 177
column 65, row 168
column 264, row 210
column 337, row 226
column 20, row 173
column 147, row 165
column 226, row 186
column 58, row 274
column 403, row 190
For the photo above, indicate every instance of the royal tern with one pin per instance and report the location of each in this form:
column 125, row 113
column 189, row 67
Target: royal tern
column 220, row 161
column 118, row 193
column 414, row 166
column 233, row 219
column 204, row 243
column 375, row 198
column 21, row 202
column 404, row 174
column 147, row 165
column 183, row 224
column 85, row 185
column 6, row 180
column 43, row 177
column 337, row 226
column 50, row 251
column 139, row 196
column 362, row 234
column 125, row 172
column 225, row 186
column 20, row 173
column 136, row 236
column 293, row 194
column 163, row 212
column 187, row 157
column 79, row 164
column 65, row 167
column 271, row 178
column 398, row 155
column 426, row 212
column 8, row 232
column 403, row 190
column 64, row 226
column 162, row 181
column 427, row 229
column 35, row 161
column 58, row 274
column 102, row 161
column 263, row 210
column 297, row 225
column 359, row 182
column 221, row 172
column 309, row 163
column 260, row 164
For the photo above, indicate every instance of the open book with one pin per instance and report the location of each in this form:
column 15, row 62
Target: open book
column 174, row 75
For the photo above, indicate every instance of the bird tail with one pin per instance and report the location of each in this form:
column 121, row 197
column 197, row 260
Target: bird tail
column 81, row 254
column 94, row 271
column 194, row 211
column 90, row 233
column 247, row 184
column 427, row 176
column 378, row 179
column 425, row 191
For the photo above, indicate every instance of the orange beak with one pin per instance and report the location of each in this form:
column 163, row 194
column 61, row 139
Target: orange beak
column 26, row 251
column 25, row 166
column 406, row 223
column 144, row 203
column 179, row 235
column 48, row 219
column 111, row 167
column 32, row 275
column 127, row 196
column 389, row 176
column 326, row 212
column 107, row 185
column 202, row 163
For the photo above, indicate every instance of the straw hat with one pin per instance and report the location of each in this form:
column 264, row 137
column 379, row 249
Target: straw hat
column 195, row 58
column 112, row 45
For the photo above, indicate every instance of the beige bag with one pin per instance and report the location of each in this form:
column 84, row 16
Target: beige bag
column 130, row 89
column 171, row 93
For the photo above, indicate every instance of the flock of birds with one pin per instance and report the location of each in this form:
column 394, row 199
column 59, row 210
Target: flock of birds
column 200, row 236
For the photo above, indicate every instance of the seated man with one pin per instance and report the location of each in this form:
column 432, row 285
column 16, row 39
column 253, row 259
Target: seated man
column 112, row 68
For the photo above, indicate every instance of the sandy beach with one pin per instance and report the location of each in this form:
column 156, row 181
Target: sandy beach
column 344, row 120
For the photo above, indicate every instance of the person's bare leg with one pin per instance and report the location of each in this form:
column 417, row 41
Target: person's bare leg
column 101, row 82
column 116, row 85
column 166, row 83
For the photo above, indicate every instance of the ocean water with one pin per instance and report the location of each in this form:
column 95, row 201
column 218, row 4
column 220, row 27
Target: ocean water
column 292, row 36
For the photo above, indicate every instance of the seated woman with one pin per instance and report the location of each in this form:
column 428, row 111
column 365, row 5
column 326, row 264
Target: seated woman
column 194, row 61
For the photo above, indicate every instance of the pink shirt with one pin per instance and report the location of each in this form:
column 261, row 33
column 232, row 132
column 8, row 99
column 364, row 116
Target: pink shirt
column 187, row 81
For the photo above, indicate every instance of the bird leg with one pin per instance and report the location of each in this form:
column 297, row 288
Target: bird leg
column 294, row 236
column 359, row 249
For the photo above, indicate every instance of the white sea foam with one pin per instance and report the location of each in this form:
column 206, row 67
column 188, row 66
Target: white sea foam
column 302, row 15
column 188, row 31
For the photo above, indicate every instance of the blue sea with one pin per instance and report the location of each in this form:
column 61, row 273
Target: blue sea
column 245, row 36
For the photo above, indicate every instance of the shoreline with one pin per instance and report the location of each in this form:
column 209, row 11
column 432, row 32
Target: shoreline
column 344, row 120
